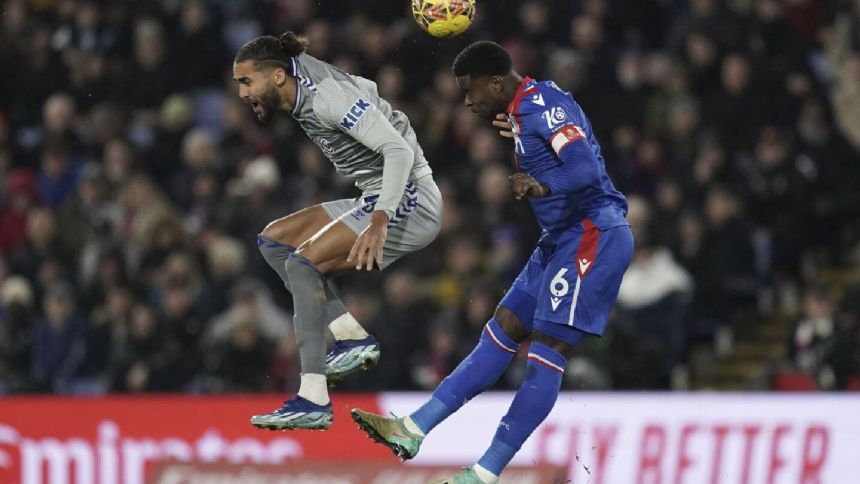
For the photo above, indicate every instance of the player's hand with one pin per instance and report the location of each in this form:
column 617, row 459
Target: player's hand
column 506, row 129
column 523, row 185
column 368, row 245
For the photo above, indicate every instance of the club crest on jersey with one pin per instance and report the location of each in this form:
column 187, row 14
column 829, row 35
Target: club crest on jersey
column 325, row 145
column 354, row 114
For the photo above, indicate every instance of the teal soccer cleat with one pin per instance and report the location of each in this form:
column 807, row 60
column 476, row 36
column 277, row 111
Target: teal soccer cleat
column 297, row 413
column 389, row 432
column 350, row 355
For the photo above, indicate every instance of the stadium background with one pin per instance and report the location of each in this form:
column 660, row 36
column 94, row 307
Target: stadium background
column 133, row 182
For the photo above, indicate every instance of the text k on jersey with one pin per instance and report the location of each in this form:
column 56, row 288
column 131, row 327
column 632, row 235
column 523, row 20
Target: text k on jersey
column 555, row 145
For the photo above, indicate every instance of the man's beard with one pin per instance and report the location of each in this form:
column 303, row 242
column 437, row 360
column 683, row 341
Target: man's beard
column 270, row 102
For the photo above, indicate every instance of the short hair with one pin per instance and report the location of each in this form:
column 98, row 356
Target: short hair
column 273, row 49
column 482, row 58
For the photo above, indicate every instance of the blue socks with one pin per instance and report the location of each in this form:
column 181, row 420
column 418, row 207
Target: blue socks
column 477, row 372
column 531, row 405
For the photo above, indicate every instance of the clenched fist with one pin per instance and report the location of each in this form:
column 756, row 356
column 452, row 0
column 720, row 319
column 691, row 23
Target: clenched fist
column 524, row 185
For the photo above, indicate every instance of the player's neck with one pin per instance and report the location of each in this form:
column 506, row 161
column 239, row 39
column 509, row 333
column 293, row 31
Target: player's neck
column 512, row 82
column 288, row 94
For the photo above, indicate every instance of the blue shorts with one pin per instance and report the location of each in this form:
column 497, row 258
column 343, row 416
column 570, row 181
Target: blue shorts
column 570, row 282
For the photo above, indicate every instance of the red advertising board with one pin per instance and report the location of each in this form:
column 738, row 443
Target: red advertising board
column 597, row 438
column 116, row 440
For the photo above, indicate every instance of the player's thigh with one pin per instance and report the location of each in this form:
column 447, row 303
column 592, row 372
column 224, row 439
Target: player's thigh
column 511, row 324
column 296, row 228
column 582, row 280
column 329, row 247
column 515, row 313
column 563, row 343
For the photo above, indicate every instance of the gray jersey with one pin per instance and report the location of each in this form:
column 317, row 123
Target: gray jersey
column 357, row 130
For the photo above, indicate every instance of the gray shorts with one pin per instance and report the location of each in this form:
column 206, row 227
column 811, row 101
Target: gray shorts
column 415, row 224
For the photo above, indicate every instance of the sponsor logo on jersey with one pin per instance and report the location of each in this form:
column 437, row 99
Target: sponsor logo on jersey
column 554, row 116
column 354, row 114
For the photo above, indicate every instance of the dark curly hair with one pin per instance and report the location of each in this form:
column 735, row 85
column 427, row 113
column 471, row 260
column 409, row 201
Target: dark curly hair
column 270, row 49
column 482, row 58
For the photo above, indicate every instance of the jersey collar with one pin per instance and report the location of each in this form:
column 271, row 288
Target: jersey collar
column 294, row 68
column 526, row 86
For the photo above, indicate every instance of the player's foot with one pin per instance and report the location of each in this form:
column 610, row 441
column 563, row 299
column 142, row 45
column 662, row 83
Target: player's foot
column 389, row 432
column 297, row 413
column 350, row 355
column 466, row 476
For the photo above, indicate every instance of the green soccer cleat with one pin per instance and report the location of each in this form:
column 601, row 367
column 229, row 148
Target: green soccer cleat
column 466, row 476
column 389, row 432
column 297, row 413
column 350, row 355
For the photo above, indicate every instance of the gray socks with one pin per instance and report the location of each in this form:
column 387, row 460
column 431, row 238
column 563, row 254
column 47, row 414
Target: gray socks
column 309, row 298
column 276, row 255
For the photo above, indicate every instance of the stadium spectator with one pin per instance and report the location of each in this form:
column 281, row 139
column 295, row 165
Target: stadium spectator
column 59, row 341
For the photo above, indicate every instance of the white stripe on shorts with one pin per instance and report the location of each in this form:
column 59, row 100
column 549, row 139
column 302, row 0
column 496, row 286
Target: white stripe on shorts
column 575, row 298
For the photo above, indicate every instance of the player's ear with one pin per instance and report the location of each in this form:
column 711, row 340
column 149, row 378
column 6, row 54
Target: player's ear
column 498, row 84
column 279, row 77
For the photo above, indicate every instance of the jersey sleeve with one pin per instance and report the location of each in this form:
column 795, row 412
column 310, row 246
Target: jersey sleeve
column 357, row 116
column 558, row 127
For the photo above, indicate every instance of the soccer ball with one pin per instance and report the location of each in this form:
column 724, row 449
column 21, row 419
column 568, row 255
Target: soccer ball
column 443, row 18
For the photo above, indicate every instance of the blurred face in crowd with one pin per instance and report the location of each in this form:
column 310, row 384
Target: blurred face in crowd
column 484, row 94
column 700, row 49
column 770, row 149
column 40, row 226
column 142, row 322
column 58, row 308
column 259, row 87
column 118, row 303
column 735, row 73
column 720, row 206
column 58, row 113
column 493, row 186
column 817, row 306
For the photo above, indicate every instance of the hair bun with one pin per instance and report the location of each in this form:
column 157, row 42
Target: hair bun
column 286, row 39
column 291, row 43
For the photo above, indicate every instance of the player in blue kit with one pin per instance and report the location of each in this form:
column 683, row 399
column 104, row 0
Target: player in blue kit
column 567, row 287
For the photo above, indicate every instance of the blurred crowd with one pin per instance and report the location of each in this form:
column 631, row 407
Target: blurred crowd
column 133, row 182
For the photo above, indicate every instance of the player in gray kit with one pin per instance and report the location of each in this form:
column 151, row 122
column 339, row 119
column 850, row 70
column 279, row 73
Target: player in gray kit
column 399, row 211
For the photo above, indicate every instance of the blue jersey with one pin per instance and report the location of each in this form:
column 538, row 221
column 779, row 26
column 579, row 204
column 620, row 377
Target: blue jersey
column 555, row 145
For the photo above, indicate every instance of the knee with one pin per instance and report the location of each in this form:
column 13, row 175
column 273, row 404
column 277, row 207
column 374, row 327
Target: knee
column 283, row 231
column 294, row 264
column 561, row 347
column 510, row 324
column 298, row 264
